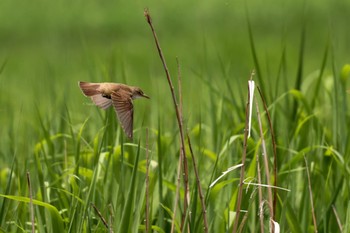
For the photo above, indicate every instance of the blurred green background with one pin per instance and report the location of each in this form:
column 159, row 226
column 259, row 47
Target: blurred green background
column 46, row 47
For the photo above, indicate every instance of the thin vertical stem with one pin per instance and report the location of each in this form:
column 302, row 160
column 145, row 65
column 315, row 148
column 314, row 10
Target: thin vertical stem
column 179, row 169
column 310, row 192
column 147, row 183
column 200, row 192
column 183, row 158
column 31, row 202
column 337, row 218
column 179, row 87
column 100, row 215
column 149, row 20
column 111, row 217
column 261, row 204
column 178, row 114
column 266, row 163
column 272, row 132
column 241, row 179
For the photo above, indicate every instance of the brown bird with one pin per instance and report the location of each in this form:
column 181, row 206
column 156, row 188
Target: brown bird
column 120, row 95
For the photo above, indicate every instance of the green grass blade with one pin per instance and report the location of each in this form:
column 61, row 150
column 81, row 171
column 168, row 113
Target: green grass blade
column 347, row 220
column 255, row 56
column 299, row 75
column 56, row 219
column 319, row 79
column 7, row 191
column 129, row 204
column 292, row 220
column 160, row 175
column 171, row 214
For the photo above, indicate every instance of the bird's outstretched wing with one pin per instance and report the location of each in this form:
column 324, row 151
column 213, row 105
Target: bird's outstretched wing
column 91, row 90
column 101, row 101
column 124, row 109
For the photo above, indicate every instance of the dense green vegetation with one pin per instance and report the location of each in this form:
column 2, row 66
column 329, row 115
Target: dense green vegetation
column 78, row 157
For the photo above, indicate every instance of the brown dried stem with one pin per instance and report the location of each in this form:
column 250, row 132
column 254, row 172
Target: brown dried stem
column 337, row 218
column 100, row 215
column 200, row 192
column 274, row 153
column 178, row 113
column 184, row 158
column 241, row 179
column 261, row 203
column 266, row 163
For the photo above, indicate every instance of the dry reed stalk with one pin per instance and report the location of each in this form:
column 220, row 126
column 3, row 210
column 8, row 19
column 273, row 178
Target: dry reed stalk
column 266, row 163
column 178, row 113
column 273, row 138
column 261, row 203
column 337, row 218
column 200, row 192
column 184, row 158
column 244, row 155
column 100, row 215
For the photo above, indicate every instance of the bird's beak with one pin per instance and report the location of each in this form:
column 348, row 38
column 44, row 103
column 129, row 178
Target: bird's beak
column 146, row 96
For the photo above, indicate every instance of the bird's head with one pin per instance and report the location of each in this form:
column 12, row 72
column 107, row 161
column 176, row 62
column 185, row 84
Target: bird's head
column 138, row 93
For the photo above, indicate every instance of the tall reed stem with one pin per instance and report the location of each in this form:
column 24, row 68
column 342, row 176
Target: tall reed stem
column 244, row 155
column 178, row 113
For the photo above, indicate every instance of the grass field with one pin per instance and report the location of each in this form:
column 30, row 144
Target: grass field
column 79, row 160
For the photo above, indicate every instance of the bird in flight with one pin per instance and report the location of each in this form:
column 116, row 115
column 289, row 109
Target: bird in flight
column 119, row 95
